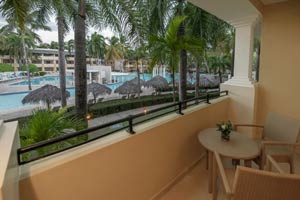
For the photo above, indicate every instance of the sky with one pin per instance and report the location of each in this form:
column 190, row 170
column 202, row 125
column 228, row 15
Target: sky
column 48, row 36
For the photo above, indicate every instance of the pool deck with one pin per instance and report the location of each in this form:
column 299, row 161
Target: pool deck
column 6, row 87
column 27, row 110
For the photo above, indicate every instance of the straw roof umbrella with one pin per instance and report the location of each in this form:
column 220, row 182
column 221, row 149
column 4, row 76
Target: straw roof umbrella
column 209, row 81
column 47, row 94
column 128, row 88
column 135, row 81
column 97, row 89
column 158, row 82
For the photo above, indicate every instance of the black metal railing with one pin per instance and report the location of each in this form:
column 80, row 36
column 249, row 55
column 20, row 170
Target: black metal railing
column 36, row 151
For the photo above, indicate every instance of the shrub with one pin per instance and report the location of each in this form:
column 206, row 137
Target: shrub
column 6, row 67
column 115, row 106
column 43, row 73
column 46, row 124
column 32, row 68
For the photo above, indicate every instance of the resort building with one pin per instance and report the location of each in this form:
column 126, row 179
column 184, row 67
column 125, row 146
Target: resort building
column 47, row 60
column 162, row 159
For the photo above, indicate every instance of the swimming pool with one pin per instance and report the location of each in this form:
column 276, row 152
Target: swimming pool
column 14, row 100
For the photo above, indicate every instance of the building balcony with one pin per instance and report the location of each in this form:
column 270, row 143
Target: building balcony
column 162, row 160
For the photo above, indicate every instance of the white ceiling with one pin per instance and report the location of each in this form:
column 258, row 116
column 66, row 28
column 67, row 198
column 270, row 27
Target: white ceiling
column 266, row 2
column 228, row 10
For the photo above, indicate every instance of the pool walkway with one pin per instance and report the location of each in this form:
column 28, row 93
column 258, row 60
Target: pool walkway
column 116, row 116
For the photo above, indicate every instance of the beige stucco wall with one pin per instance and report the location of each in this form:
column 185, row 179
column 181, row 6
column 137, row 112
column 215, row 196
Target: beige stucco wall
column 280, row 60
column 135, row 168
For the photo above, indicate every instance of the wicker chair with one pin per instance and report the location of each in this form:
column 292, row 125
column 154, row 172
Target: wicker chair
column 250, row 184
column 279, row 133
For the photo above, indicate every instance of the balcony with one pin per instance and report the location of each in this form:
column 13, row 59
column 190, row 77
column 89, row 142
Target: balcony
column 163, row 159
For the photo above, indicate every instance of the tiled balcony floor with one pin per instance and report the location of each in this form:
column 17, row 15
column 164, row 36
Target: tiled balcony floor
column 194, row 186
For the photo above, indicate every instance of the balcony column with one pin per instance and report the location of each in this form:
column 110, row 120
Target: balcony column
column 241, row 87
column 99, row 77
column 90, row 77
column 244, row 42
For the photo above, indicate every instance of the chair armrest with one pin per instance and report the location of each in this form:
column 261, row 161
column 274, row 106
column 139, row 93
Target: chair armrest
column 247, row 125
column 223, row 175
column 272, row 163
column 276, row 143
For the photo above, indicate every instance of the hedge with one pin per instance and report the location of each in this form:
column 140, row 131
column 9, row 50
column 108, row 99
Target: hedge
column 115, row 106
column 6, row 67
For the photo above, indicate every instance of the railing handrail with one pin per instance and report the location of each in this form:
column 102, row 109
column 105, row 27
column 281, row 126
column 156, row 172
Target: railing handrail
column 128, row 119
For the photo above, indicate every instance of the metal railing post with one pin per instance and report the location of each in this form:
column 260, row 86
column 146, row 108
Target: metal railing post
column 207, row 98
column 226, row 92
column 180, row 108
column 19, row 156
column 130, row 125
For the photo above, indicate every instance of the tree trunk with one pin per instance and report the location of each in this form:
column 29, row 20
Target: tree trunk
column 139, row 80
column 61, row 57
column 26, row 61
column 80, row 62
column 220, row 77
column 197, row 85
column 173, row 83
column 183, row 57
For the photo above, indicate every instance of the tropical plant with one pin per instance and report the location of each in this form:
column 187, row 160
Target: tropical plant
column 70, row 46
column 113, row 51
column 166, row 49
column 47, row 124
column 96, row 47
column 23, row 18
column 6, row 67
column 44, row 46
column 32, row 68
column 219, row 64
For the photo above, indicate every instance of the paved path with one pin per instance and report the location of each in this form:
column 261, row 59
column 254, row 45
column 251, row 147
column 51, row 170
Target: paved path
column 116, row 116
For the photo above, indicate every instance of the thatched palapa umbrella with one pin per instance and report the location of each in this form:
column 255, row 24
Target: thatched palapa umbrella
column 47, row 94
column 209, row 81
column 97, row 89
column 128, row 88
column 158, row 82
column 135, row 81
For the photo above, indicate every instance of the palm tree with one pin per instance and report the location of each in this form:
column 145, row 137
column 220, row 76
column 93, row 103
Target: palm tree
column 96, row 47
column 13, row 45
column 219, row 64
column 63, row 10
column 113, row 51
column 70, row 46
column 80, row 60
column 197, row 26
column 168, row 47
column 22, row 20
column 183, row 54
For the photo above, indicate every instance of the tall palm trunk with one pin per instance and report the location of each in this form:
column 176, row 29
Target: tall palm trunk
column 61, row 57
column 26, row 60
column 183, row 58
column 138, row 76
column 197, row 85
column 80, row 62
column 173, row 83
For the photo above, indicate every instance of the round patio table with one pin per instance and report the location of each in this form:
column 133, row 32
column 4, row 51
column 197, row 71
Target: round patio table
column 239, row 147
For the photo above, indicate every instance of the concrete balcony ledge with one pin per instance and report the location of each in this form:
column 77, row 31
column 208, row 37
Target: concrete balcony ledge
column 9, row 169
column 124, row 166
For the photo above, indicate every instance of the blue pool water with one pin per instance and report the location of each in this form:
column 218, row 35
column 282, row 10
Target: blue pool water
column 14, row 100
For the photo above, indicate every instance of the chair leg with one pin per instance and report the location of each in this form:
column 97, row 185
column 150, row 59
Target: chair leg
column 292, row 166
column 215, row 181
column 206, row 159
column 210, row 171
